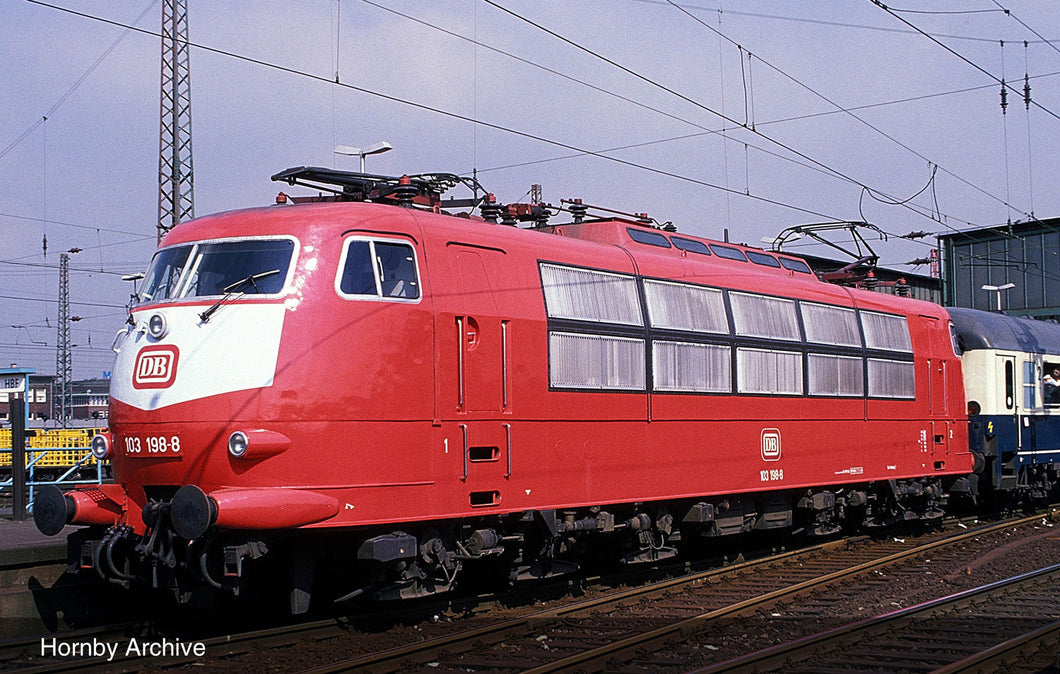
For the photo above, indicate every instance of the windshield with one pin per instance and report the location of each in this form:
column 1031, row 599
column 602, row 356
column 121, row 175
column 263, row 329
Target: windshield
column 207, row 269
column 164, row 274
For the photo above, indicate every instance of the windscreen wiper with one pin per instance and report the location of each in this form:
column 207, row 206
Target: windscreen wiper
column 233, row 289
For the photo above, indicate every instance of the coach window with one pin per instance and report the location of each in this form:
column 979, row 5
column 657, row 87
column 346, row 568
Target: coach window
column 831, row 375
column 1051, row 384
column 830, row 325
column 373, row 268
column 603, row 362
column 762, row 316
column 1030, row 385
column 679, row 306
column 886, row 331
column 891, row 378
column 766, row 371
column 590, row 295
column 686, row 366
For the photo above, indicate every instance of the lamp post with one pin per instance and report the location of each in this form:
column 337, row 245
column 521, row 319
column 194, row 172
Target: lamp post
column 378, row 148
column 998, row 289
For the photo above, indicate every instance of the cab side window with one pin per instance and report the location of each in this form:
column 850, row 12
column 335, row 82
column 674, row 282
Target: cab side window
column 384, row 269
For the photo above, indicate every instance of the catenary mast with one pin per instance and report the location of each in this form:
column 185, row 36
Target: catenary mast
column 63, row 360
column 175, row 178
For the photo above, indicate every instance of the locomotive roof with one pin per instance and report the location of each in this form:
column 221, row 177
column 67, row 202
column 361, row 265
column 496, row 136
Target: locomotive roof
column 986, row 330
column 654, row 247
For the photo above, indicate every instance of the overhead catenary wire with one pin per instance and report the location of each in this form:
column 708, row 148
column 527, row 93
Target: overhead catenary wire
column 471, row 120
column 494, row 126
column 1015, row 18
column 959, row 55
column 821, row 22
column 1027, row 108
column 844, row 110
column 936, row 214
column 904, row 203
column 62, row 99
column 930, row 213
column 650, row 81
column 720, row 131
column 439, row 111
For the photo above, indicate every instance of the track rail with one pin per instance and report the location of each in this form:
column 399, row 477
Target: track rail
column 561, row 626
column 947, row 633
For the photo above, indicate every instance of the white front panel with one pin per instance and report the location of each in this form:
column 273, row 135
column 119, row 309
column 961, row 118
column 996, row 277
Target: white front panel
column 235, row 350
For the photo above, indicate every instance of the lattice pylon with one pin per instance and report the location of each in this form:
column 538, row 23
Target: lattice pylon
column 176, row 194
column 64, row 367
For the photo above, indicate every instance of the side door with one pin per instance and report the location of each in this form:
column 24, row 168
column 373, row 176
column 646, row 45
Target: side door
column 1006, row 376
column 1029, row 403
column 482, row 371
column 938, row 369
column 481, row 355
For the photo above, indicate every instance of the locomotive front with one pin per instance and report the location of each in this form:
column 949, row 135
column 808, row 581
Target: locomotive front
column 192, row 410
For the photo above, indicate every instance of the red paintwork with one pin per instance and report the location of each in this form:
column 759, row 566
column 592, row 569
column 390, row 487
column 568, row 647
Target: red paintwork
column 367, row 392
column 102, row 504
column 275, row 508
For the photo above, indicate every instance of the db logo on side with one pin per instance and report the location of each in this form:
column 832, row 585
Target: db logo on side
column 770, row 444
column 156, row 367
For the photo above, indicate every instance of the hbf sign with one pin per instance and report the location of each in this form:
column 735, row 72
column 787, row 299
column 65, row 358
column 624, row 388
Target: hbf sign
column 156, row 367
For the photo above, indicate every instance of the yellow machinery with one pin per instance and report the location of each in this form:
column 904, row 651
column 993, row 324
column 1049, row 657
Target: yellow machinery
column 51, row 452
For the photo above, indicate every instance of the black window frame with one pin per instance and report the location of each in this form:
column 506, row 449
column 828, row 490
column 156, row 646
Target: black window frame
column 763, row 259
column 792, row 264
column 648, row 237
column 730, row 253
column 690, row 245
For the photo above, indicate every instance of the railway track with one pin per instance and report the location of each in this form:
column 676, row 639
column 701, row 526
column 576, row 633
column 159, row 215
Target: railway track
column 978, row 630
column 638, row 626
column 600, row 633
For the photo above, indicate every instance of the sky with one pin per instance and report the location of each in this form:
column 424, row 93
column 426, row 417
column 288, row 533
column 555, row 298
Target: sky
column 721, row 117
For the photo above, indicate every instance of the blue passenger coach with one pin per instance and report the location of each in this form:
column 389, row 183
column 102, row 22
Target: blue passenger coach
column 1013, row 402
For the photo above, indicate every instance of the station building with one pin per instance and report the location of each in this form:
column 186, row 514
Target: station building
column 1023, row 254
column 89, row 401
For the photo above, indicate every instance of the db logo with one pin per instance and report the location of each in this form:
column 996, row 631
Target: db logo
column 770, row 444
column 156, row 367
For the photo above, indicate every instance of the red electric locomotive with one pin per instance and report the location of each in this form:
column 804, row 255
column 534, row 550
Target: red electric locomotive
column 373, row 393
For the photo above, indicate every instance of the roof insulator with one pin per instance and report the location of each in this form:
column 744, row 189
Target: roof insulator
column 578, row 210
column 490, row 209
column 406, row 191
column 507, row 216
